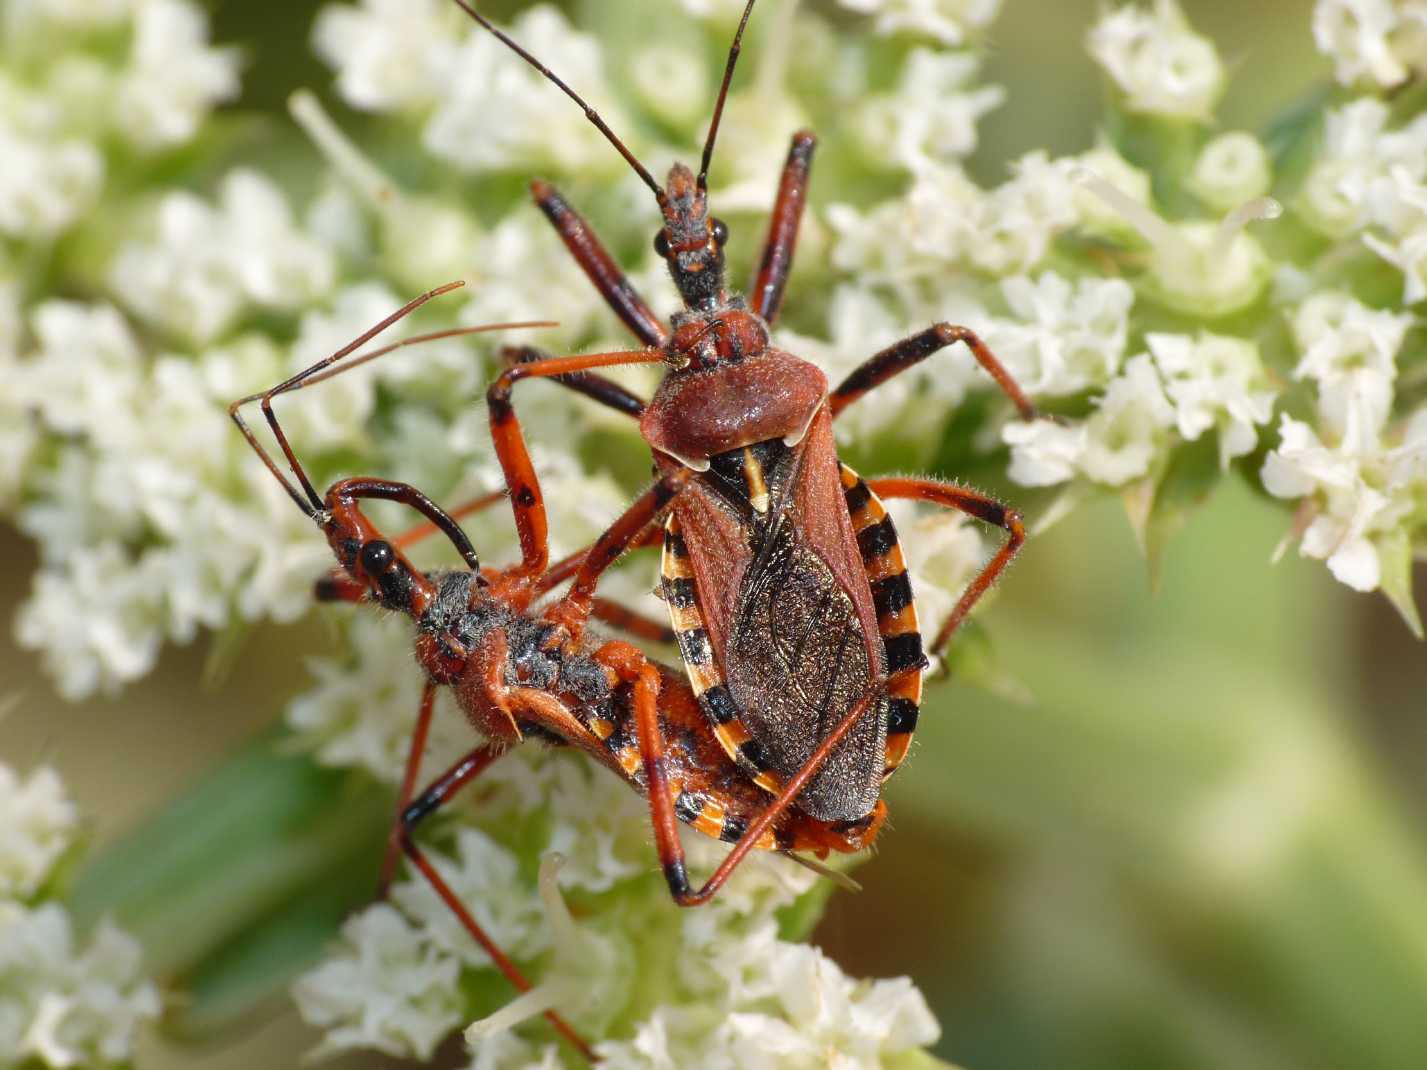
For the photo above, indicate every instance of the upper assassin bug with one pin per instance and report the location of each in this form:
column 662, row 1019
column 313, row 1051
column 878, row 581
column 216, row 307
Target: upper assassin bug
column 522, row 671
column 782, row 571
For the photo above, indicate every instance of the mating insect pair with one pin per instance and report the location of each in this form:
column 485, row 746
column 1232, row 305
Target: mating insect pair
column 781, row 569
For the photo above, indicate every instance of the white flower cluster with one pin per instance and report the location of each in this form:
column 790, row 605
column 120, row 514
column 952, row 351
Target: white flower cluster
column 1380, row 43
column 1157, row 61
column 732, row 986
column 40, row 824
column 63, row 1003
column 951, row 22
column 80, row 77
column 1370, row 180
column 1363, row 481
column 481, row 106
column 202, row 267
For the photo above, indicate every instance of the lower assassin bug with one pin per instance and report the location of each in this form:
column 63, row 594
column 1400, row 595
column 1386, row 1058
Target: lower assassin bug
column 522, row 670
column 783, row 573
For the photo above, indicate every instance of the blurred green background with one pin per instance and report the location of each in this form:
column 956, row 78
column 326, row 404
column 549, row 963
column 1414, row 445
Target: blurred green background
column 1198, row 840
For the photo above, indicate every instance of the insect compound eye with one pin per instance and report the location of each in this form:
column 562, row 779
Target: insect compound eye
column 661, row 244
column 720, row 232
column 377, row 557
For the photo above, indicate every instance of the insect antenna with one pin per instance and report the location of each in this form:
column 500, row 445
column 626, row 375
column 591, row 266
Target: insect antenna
column 307, row 499
column 590, row 113
column 703, row 183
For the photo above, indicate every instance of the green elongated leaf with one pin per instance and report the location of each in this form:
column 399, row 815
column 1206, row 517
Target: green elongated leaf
column 236, row 884
column 1191, row 476
column 1394, row 553
column 1291, row 136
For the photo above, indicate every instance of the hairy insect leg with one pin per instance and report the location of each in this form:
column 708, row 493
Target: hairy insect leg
column 631, row 622
column 566, row 567
column 414, row 752
column 765, row 295
column 440, row 791
column 909, row 352
column 981, row 506
column 627, row 531
column 589, row 252
column 661, row 798
column 405, row 494
column 595, row 387
column 531, row 524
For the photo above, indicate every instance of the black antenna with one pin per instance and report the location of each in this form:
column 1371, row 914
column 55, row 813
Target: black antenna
column 590, row 113
column 722, row 96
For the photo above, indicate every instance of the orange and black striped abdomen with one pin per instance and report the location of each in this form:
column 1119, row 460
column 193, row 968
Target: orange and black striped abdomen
column 896, row 612
column 706, row 676
column 711, row 793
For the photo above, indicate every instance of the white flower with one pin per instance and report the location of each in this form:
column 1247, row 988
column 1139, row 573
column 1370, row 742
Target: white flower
column 1063, row 339
column 173, row 78
column 97, row 619
column 932, row 114
column 1214, row 381
column 1350, row 351
column 1408, row 255
column 66, row 1005
column 1230, row 170
column 917, row 236
column 206, row 266
column 951, row 22
column 1361, row 490
column 1117, row 443
column 40, row 823
column 915, row 404
column 485, row 877
column 1366, row 173
column 87, row 375
column 1377, row 41
column 1211, row 270
column 671, row 80
column 386, row 51
column 721, row 10
column 496, row 112
column 1160, row 65
column 386, row 988
column 601, row 827
column 824, row 1010
column 1097, row 217
column 1018, row 220
column 47, row 182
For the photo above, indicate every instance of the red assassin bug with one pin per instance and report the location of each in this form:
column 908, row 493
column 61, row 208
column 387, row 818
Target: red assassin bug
column 783, row 574
column 520, row 672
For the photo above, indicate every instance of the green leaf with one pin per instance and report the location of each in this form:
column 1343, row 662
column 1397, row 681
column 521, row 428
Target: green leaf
column 235, row 885
column 1394, row 554
column 1191, row 476
column 1291, row 137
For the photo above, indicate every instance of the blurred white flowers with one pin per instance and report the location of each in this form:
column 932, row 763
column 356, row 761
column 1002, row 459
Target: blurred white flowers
column 1378, row 42
column 66, row 1000
column 950, row 22
column 1130, row 287
column 1157, row 61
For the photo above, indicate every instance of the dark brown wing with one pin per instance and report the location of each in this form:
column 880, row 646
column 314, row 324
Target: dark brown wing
column 794, row 642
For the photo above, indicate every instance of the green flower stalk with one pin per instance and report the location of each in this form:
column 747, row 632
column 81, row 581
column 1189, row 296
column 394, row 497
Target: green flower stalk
column 1188, row 305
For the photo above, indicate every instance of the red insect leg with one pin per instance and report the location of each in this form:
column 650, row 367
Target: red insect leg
column 433, row 798
column 619, row 293
column 765, row 296
column 530, row 521
column 972, row 503
column 902, row 355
